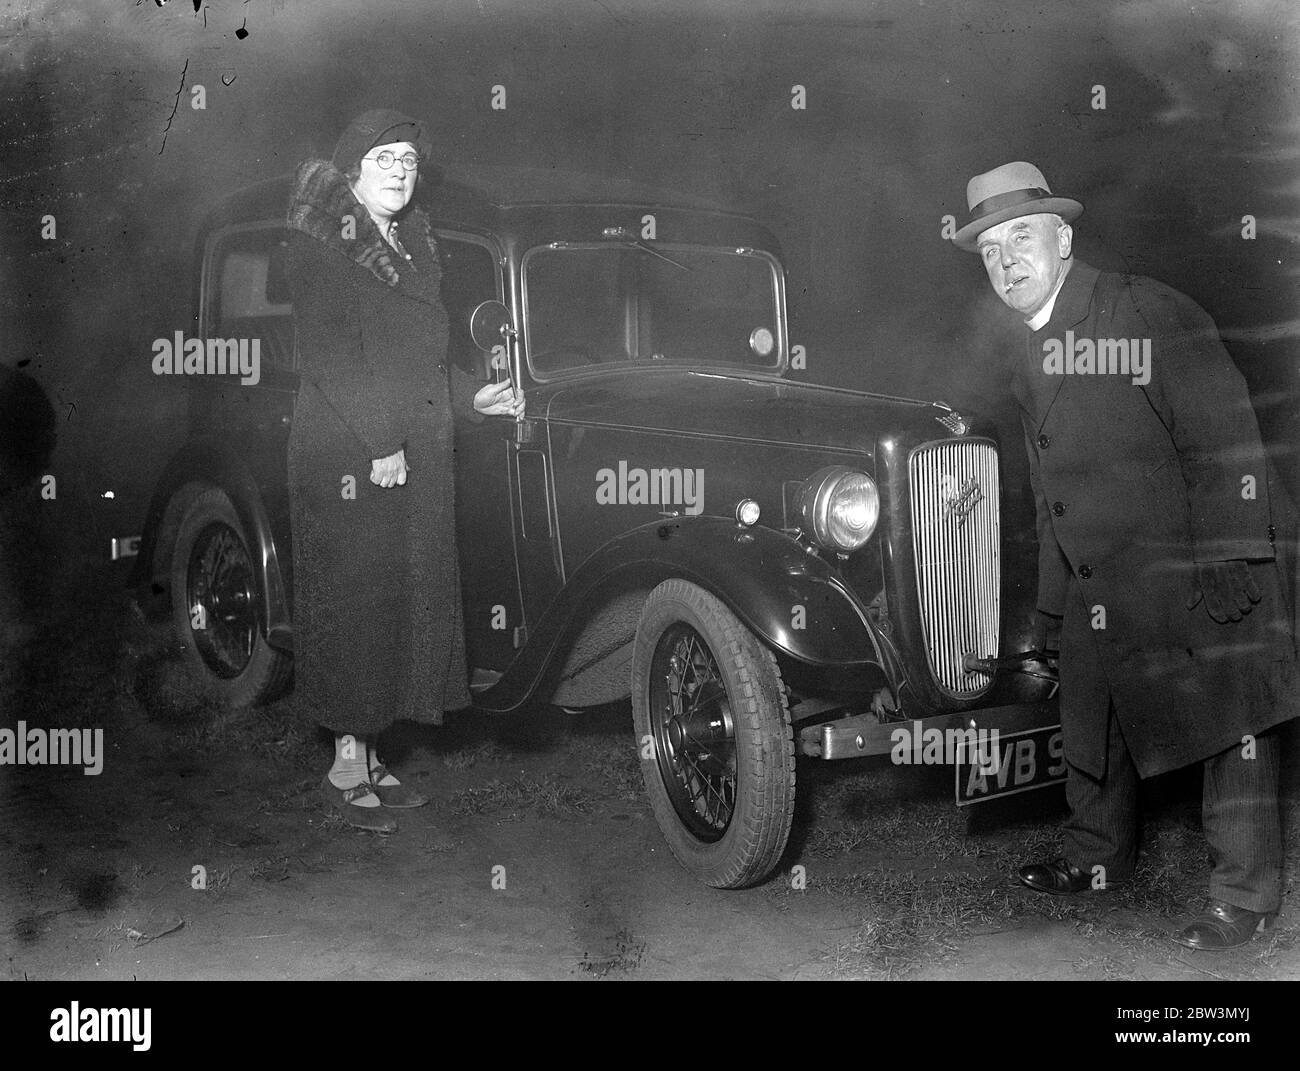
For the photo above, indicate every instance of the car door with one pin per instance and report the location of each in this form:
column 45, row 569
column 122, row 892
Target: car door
column 484, row 461
column 245, row 300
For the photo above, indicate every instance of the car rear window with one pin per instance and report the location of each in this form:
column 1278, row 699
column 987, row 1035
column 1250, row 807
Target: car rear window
column 252, row 292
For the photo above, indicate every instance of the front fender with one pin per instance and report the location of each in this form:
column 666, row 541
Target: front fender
column 791, row 599
column 208, row 462
column 788, row 597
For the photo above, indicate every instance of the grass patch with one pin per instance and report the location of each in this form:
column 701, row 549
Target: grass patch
column 484, row 752
column 911, row 920
column 274, row 868
column 272, row 733
column 923, row 885
column 614, row 764
column 545, row 797
column 908, row 919
column 624, row 955
column 219, row 880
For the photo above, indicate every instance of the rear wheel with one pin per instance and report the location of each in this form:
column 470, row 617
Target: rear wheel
column 217, row 605
column 717, row 752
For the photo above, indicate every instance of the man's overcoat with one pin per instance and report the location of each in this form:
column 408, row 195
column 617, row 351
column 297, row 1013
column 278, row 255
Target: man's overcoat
column 1135, row 483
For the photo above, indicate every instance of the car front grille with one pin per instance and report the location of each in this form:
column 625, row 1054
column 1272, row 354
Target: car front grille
column 957, row 547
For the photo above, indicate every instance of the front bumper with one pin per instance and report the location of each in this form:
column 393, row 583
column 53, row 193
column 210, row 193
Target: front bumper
column 859, row 735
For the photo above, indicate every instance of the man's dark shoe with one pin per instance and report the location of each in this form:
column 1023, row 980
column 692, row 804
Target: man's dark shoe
column 1062, row 878
column 1221, row 925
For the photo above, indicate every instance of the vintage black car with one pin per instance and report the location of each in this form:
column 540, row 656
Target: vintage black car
column 764, row 566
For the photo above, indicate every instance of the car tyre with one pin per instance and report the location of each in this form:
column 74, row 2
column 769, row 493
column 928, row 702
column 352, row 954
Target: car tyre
column 717, row 750
column 217, row 606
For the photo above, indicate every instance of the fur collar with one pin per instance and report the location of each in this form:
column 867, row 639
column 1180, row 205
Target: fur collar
column 321, row 198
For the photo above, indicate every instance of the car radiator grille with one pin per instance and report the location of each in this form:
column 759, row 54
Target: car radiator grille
column 957, row 545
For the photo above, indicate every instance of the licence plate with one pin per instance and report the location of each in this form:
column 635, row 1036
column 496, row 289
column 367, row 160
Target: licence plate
column 1018, row 762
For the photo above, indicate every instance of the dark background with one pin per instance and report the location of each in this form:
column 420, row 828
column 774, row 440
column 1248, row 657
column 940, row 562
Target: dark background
column 905, row 101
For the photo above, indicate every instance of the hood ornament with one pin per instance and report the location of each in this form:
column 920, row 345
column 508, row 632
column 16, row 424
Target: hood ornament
column 953, row 421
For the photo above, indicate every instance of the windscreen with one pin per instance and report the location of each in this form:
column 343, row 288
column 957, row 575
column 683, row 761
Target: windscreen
column 650, row 303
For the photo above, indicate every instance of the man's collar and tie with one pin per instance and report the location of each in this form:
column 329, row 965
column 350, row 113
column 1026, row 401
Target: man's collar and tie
column 1040, row 318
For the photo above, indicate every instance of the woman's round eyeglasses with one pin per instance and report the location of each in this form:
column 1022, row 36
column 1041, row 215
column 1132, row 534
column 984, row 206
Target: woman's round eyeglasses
column 385, row 160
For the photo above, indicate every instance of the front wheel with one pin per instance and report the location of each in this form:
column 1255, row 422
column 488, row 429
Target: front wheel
column 717, row 751
column 216, row 606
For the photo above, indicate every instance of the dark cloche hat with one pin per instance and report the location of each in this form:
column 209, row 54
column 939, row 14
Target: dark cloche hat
column 380, row 126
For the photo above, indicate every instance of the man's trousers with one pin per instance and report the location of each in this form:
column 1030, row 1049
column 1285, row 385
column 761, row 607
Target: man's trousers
column 1239, row 813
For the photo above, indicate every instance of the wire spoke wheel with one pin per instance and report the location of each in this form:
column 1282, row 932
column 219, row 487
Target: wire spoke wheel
column 217, row 604
column 708, row 700
column 694, row 735
column 222, row 601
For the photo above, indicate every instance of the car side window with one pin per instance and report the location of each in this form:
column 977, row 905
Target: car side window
column 469, row 277
column 250, row 295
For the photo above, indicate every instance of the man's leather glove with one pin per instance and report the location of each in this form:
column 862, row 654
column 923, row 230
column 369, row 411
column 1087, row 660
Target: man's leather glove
column 1228, row 589
column 1046, row 636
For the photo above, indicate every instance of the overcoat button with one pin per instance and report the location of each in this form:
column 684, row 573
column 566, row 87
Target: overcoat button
column 1085, row 571
column 1044, row 442
column 1058, row 509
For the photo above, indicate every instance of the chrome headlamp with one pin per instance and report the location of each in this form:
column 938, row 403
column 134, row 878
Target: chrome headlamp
column 840, row 508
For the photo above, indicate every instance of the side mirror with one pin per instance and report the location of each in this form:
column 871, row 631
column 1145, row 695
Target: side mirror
column 489, row 325
column 491, row 330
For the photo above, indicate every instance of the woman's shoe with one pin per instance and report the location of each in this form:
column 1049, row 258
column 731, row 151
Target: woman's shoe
column 395, row 796
column 372, row 819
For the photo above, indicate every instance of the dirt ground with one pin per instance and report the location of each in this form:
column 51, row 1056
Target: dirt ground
column 98, row 872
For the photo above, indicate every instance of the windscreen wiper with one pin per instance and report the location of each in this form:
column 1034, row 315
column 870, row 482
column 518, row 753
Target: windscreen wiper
column 627, row 238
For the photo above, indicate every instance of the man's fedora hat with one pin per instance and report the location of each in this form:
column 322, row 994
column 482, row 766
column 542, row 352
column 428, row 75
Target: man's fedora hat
column 1007, row 192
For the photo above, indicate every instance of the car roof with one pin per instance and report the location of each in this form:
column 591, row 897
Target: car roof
column 512, row 186
column 514, row 198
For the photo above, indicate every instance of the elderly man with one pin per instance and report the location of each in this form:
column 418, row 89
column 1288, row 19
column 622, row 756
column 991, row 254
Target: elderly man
column 1157, row 564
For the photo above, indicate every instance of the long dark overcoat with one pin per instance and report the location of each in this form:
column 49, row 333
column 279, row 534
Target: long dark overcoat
column 1134, row 485
column 378, row 627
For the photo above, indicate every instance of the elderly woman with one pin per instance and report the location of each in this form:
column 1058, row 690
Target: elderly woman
column 377, row 604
